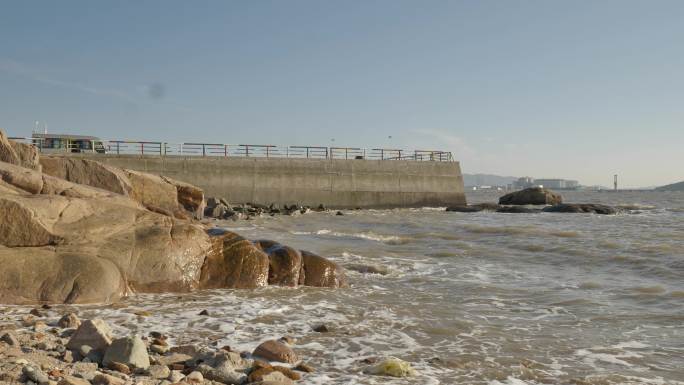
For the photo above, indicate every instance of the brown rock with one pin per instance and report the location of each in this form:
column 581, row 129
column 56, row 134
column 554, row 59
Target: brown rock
column 302, row 367
column 20, row 154
column 70, row 380
column 70, row 320
column 321, row 272
column 87, row 172
column 25, row 179
column 106, row 379
column 119, row 367
column 234, row 262
column 94, row 333
column 285, row 263
column 190, row 197
column 531, row 196
column 22, row 227
column 273, row 350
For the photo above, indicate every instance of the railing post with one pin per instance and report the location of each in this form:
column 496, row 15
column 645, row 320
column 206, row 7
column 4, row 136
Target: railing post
column 225, row 150
column 204, row 151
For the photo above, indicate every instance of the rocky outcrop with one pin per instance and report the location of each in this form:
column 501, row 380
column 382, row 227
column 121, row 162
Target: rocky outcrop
column 19, row 154
column 191, row 198
column 591, row 208
column 87, row 172
column 63, row 242
column 531, row 196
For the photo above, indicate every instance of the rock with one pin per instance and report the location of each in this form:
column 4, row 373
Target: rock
column 517, row 210
column 35, row 374
column 189, row 197
column 158, row 371
column 106, row 379
column 159, row 349
column 581, row 208
column 531, row 196
column 393, row 367
column 368, row 269
column 70, row 380
column 273, row 350
column 24, row 179
column 174, row 358
column 70, row 320
column 119, row 367
column 9, row 338
column 234, row 263
column 340, row 213
column 318, row 271
column 94, row 333
column 84, row 370
column 285, row 263
column 130, row 351
column 20, row 154
column 152, row 190
column 223, row 374
column 463, row 209
column 302, row 367
column 322, row 328
column 176, row 376
column 39, row 326
column 194, row 377
column 25, row 229
column 270, row 377
column 87, row 172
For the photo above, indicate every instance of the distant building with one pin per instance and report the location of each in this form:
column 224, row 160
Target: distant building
column 559, row 184
column 524, row 182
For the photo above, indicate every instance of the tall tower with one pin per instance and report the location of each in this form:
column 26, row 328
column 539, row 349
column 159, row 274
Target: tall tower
column 615, row 182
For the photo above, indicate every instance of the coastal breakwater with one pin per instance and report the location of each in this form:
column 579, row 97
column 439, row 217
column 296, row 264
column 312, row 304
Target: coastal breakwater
column 334, row 183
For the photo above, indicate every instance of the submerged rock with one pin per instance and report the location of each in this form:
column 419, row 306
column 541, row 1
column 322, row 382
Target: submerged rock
column 285, row 263
column 321, row 272
column 581, row 208
column 517, row 210
column 393, row 367
column 531, row 196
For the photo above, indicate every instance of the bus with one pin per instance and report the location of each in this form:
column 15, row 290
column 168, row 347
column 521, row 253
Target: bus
column 52, row 143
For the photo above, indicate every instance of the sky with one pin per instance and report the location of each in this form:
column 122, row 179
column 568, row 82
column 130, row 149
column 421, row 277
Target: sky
column 570, row 89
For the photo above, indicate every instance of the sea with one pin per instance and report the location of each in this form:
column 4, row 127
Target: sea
column 466, row 298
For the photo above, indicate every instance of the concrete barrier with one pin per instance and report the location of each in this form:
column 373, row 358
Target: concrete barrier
column 335, row 183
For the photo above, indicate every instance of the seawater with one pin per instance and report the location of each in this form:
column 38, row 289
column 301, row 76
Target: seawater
column 467, row 298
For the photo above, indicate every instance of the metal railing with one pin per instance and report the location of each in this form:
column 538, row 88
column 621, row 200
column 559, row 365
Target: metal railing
column 126, row 147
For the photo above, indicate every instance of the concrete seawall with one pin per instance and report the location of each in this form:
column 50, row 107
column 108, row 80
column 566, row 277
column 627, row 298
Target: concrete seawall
column 334, row 183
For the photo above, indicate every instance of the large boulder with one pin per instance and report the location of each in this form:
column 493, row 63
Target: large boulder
column 94, row 333
column 234, row 262
column 87, row 172
column 321, row 272
column 20, row 154
column 531, row 196
column 590, row 208
column 130, row 351
column 20, row 227
column 285, row 263
column 190, row 197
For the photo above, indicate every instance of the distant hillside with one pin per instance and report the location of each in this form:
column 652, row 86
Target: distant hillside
column 672, row 187
column 470, row 180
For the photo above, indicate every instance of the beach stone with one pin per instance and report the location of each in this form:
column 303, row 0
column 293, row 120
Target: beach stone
column 322, row 328
column 223, row 374
column 84, row 370
column 176, row 376
column 194, row 377
column 70, row 320
column 35, row 374
column 273, row 350
column 273, row 377
column 321, row 272
column 119, row 367
column 71, row 380
column 531, row 196
column 159, row 349
column 94, row 333
column 9, row 338
column 174, row 358
column 591, row 208
column 130, row 351
column 106, row 379
column 392, row 367
column 159, row 371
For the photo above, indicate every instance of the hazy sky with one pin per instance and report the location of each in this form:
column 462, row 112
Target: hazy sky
column 573, row 89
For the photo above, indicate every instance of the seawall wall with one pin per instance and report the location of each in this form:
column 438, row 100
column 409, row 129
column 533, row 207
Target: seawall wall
column 335, row 183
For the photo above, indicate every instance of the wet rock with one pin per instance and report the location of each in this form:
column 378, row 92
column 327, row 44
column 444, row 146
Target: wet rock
column 130, row 351
column 517, row 210
column 321, row 272
column 94, row 333
column 322, row 328
column 393, row 367
column 70, row 320
column 591, row 208
column 302, row 367
column 9, row 338
column 340, row 213
column 273, row 350
column 285, row 263
column 204, row 312
column 463, row 209
column 234, row 262
column 368, row 269
column 531, row 196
